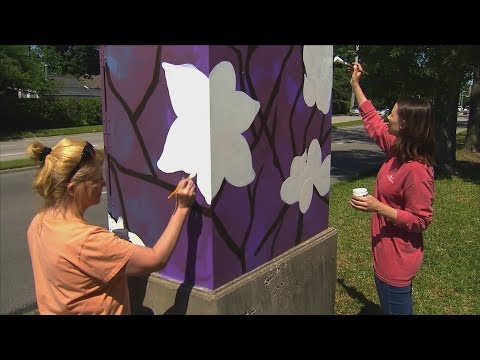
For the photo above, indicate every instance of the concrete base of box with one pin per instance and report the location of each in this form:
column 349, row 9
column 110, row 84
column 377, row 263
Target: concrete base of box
column 301, row 281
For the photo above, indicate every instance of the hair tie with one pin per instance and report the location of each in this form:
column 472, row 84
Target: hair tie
column 46, row 150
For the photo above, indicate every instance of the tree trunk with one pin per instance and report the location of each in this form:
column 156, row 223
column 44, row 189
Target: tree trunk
column 445, row 116
column 472, row 141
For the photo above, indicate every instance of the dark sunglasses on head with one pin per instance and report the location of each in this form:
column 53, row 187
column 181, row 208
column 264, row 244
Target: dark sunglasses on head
column 88, row 154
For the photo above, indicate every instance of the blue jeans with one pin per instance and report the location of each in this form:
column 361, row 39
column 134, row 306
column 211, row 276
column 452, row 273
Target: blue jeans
column 394, row 300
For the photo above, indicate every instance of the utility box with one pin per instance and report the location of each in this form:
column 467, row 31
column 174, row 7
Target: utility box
column 254, row 124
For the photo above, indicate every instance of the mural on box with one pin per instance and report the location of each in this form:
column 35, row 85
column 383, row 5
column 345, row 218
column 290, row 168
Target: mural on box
column 253, row 122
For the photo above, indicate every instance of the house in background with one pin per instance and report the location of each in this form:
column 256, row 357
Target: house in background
column 68, row 85
column 82, row 87
column 21, row 93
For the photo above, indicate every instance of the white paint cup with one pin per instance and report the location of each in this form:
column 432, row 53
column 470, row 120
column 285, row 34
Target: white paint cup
column 360, row 192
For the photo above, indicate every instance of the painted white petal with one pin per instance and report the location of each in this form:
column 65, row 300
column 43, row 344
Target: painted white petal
column 217, row 179
column 188, row 88
column 237, row 163
column 177, row 152
column 113, row 225
column 233, row 113
column 307, row 59
column 322, row 176
column 298, row 163
column 309, row 91
column 222, row 78
column 322, row 61
column 314, row 157
column 205, row 186
column 306, row 195
column 289, row 192
column 324, row 94
column 306, row 173
column 134, row 238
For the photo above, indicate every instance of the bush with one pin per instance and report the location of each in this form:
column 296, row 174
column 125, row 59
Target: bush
column 340, row 107
column 49, row 113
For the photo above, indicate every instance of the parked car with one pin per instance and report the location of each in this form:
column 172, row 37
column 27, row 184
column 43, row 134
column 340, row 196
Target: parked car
column 383, row 112
column 354, row 111
column 466, row 110
column 460, row 109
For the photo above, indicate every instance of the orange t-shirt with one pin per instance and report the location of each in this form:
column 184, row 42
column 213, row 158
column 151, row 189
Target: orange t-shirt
column 78, row 268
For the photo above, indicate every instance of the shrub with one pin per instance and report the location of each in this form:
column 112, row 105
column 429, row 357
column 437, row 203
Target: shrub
column 49, row 113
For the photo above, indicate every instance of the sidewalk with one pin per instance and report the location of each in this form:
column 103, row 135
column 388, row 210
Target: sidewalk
column 344, row 118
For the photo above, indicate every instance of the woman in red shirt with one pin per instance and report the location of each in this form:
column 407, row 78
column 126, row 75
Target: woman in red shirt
column 404, row 191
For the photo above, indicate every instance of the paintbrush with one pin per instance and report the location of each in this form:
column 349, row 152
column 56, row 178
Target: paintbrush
column 338, row 59
column 190, row 177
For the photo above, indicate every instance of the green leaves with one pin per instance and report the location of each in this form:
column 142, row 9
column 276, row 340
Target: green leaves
column 76, row 60
column 21, row 68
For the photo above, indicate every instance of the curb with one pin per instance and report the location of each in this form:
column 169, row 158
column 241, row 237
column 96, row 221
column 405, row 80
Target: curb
column 6, row 171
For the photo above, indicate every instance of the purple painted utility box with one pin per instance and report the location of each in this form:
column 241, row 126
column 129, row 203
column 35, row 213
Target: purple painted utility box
column 253, row 122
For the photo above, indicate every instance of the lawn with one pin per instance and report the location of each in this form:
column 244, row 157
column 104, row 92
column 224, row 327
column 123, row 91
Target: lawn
column 447, row 283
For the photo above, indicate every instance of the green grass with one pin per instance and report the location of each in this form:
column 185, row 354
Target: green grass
column 18, row 163
column 32, row 312
column 51, row 132
column 447, row 282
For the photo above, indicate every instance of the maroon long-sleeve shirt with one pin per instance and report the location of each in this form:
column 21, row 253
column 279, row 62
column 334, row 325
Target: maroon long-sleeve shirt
column 397, row 247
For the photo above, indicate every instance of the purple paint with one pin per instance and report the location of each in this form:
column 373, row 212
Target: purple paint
column 225, row 241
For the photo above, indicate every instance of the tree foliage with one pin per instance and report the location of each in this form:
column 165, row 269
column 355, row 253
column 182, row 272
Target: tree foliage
column 77, row 60
column 435, row 73
column 342, row 92
column 21, row 68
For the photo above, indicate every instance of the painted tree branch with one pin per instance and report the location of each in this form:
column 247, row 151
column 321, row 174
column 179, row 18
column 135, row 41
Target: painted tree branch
column 229, row 241
column 151, row 87
column 280, row 215
column 119, row 191
column 241, row 71
column 326, row 137
column 251, row 202
column 275, row 236
column 321, row 130
column 312, row 113
column 264, row 116
column 290, row 120
column 140, row 108
column 156, row 181
column 298, row 238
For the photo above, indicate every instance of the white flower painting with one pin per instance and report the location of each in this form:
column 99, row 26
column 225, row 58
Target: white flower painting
column 206, row 137
column 317, row 85
column 307, row 171
column 118, row 225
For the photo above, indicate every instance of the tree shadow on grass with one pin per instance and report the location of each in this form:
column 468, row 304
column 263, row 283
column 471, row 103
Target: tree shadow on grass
column 369, row 307
column 465, row 170
column 467, row 165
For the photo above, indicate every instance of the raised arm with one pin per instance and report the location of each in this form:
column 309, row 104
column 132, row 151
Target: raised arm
column 376, row 128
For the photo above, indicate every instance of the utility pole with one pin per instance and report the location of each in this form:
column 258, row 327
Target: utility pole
column 356, row 60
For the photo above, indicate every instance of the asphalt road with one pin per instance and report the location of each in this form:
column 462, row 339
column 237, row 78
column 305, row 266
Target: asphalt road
column 18, row 205
column 15, row 149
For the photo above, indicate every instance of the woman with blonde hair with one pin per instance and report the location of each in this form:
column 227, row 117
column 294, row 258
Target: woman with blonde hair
column 81, row 268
